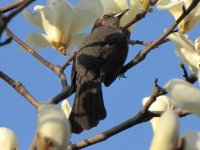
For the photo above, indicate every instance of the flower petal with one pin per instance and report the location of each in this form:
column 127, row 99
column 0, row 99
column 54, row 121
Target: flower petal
column 53, row 125
column 162, row 103
column 114, row 5
column 85, row 14
column 66, row 107
column 191, row 140
column 35, row 19
column 37, row 41
column 57, row 21
column 185, row 50
column 8, row 139
column 168, row 4
column 166, row 135
column 181, row 40
column 135, row 7
column 184, row 94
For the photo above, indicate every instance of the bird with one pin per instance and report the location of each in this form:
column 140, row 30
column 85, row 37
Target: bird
column 99, row 60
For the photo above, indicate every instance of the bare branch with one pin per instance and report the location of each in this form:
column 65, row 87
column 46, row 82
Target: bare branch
column 10, row 6
column 142, row 116
column 185, row 73
column 56, row 69
column 5, row 20
column 142, row 54
column 20, row 89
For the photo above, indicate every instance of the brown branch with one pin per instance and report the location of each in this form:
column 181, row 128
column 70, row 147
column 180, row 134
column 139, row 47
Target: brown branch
column 143, row 53
column 56, row 69
column 5, row 20
column 10, row 6
column 69, row 60
column 142, row 116
column 137, row 18
column 185, row 73
column 20, row 89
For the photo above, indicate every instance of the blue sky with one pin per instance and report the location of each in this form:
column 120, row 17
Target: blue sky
column 122, row 99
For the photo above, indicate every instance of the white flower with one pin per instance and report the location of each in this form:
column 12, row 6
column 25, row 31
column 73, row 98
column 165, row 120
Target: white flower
column 175, row 7
column 65, row 106
column 61, row 23
column 166, row 135
column 184, row 95
column 191, row 140
column 185, row 49
column 119, row 5
column 162, row 103
column 8, row 139
column 53, row 126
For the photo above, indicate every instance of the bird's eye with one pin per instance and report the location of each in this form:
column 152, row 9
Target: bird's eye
column 106, row 16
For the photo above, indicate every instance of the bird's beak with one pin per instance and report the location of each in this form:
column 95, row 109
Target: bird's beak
column 120, row 14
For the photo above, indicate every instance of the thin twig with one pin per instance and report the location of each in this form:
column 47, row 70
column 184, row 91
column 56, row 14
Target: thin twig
column 10, row 6
column 142, row 116
column 137, row 18
column 56, row 69
column 69, row 60
column 5, row 20
column 20, row 89
column 142, row 54
column 185, row 73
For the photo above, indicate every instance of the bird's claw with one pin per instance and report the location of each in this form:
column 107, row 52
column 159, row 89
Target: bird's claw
column 122, row 75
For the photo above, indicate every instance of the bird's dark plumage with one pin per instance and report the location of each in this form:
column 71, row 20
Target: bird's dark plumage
column 99, row 60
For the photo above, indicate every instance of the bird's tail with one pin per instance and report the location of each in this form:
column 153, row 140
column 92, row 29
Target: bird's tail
column 88, row 108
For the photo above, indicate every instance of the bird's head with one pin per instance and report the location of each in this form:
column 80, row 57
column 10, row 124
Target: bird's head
column 110, row 19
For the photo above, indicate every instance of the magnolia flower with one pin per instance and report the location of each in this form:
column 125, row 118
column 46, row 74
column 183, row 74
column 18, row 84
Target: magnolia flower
column 187, row 50
column 191, row 140
column 184, row 95
column 162, row 103
column 65, row 106
column 166, row 135
column 8, row 139
column 175, row 7
column 53, row 127
column 118, row 5
column 61, row 22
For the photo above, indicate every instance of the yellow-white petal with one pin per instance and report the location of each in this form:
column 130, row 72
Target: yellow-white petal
column 197, row 45
column 175, row 8
column 114, row 5
column 37, row 41
column 168, row 4
column 191, row 140
column 66, row 107
column 181, row 40
column 134, row 9
column 162, row 103
column 85, row 14
column 54, row 126
column 184, row 95
column 166, row 135
column 8, row 139
column 57, row 22
column 186, row 50
column 35, row 18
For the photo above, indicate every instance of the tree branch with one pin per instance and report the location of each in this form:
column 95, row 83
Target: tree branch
column 142, row 116
column 56, row 69
column 19, row 7
column 143, row 53
column 18, row 86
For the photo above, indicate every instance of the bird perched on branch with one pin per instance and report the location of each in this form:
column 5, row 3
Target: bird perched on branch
column 99, row 60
